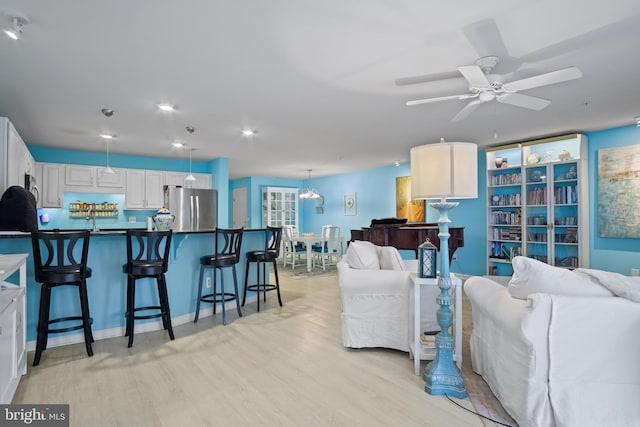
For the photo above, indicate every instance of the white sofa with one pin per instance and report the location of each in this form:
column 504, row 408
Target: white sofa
column 557, row 347
column 377, row 298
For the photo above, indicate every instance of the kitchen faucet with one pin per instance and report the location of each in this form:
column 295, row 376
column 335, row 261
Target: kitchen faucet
column 92, row 215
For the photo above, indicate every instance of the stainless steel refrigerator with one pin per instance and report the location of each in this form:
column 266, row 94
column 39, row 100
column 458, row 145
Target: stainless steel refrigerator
column 195, row 209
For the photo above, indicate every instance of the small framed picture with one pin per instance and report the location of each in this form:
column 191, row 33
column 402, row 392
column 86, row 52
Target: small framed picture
column 349, row 204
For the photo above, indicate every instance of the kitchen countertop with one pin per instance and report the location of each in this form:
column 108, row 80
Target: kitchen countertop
column 106, row 232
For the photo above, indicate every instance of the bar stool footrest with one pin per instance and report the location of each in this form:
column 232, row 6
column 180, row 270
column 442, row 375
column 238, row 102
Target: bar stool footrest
column 263, row 287
column 70, row 328
column 149, row 316
column 218, row 298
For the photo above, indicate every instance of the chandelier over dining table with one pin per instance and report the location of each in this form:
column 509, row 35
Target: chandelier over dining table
column 309, row 193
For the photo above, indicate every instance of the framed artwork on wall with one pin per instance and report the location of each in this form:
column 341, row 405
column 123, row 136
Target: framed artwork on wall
column 413, row 210
column 349, row 204
column 619, row 191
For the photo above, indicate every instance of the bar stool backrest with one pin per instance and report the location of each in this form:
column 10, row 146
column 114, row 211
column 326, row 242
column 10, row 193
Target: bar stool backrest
column 228, row 242
column 148, row 248
column 63, row 253
column 272, row 241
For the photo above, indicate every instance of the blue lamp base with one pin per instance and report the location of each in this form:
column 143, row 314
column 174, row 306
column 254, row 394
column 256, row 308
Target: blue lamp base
column 442, row 376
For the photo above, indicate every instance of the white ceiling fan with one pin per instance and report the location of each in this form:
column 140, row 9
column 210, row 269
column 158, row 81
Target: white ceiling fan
column 484, row 87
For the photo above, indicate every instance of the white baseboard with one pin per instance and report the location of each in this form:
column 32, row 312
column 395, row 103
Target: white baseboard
column 57, row 341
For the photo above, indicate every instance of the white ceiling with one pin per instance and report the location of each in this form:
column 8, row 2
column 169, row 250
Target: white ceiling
column 315, row 78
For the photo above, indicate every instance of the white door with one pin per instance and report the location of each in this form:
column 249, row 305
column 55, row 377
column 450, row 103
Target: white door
column 239, row 207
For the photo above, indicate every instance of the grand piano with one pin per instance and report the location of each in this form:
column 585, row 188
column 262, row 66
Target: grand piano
column 397, row 233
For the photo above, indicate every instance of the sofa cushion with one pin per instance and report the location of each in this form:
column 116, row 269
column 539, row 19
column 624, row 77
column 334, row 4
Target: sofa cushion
column 532, row 276
column 389, row 258
column 363, row 255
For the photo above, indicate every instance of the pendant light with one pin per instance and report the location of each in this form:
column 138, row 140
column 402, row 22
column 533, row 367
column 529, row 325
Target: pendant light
column 309, row 193
column 107, row 137
column 108, row 141
column 190, row 177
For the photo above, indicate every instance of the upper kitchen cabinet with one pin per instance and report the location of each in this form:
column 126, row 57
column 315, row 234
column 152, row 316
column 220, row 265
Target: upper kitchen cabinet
column 15, row 159
column 203, row 180
column 93, row 179
column 143, row 189
column 51, row 178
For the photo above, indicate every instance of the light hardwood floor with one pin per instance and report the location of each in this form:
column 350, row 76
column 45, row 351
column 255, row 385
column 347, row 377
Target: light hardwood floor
column 280, row 367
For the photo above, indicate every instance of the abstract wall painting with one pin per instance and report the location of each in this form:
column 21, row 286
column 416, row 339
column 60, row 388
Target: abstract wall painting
column 619, row 192
column 413, row 210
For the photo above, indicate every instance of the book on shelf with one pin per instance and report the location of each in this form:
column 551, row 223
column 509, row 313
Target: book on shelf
column 428, row 340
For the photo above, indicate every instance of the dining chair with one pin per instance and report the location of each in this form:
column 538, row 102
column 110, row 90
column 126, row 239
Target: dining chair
column 290, row 251
column 327, row 250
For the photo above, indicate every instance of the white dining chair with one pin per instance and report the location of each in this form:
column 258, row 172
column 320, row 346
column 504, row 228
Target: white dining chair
column 290, row 252
column 327, row 252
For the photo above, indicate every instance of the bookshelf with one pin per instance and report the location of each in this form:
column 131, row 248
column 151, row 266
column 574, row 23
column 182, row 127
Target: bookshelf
column 537, row 203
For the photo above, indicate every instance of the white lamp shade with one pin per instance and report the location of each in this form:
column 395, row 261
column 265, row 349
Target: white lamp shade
column 444, row 170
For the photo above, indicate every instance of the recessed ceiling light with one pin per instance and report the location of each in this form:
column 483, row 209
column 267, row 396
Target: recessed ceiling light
column 396, row 163
column 177, row 144
column 637, row 119
column 248, row 132
column 166, row 107
column 106, row 136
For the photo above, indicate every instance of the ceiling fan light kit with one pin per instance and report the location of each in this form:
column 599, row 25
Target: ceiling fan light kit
column 484, row 87
column 17, row 23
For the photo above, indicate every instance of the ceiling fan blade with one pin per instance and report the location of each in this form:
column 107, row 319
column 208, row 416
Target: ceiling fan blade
column 442, row 98
column 426, row 78
column 524, row 101
column 553, row 77
column 474, row 76
column 468, row 109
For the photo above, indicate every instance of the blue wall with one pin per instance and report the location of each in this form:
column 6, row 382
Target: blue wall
column 91, row 158
column 254, row 185
column 375, row 191
column 611, row 254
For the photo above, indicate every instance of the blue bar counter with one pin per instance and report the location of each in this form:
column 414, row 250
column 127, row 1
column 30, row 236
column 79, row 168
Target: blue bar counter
column 107, row 285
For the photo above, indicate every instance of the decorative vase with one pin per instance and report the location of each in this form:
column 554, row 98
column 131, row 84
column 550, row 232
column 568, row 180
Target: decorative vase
column 163, row 219
column 533, row 158
column 564, row 155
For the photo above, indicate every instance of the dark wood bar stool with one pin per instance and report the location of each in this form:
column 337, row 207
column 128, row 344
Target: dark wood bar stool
column 270, row 254
column 147, row 257
column 61, row 259
column 226, row 255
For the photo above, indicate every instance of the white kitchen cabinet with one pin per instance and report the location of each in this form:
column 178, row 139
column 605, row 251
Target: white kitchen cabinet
column 13, row 350
column 51, row 183
column 15, row 158
column 280, row 207
column 81, row 176
column 203, row 180
column 110, row 180
column 143, row 189
column 93, row 179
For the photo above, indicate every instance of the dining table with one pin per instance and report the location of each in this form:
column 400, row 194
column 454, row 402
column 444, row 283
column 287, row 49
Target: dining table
column 309, row 239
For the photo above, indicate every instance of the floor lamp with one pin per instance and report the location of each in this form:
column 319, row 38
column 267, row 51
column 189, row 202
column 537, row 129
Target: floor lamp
column 440, row 171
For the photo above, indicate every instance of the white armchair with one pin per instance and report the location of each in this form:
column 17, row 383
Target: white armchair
column 377, row 298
